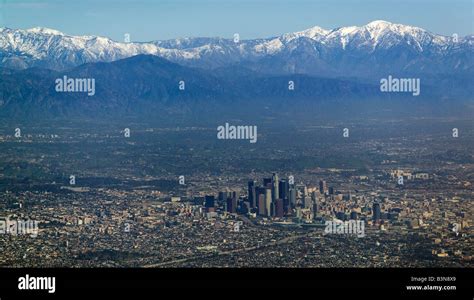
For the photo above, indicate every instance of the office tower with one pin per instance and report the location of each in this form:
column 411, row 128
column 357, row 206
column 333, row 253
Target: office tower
column 232, row 205
column 266, row 182
column 376, row 212
column 279, row 208
column 283, row 189
column 315, row 208
column 252, row 193
column 244, row 207
column 322, row 186
column 314, row 196
column 209, row 201
column 222, row 196
column 261, row 204
column 259, row 191
column 275, row 186
column 284, row 194
column 293, row 196
column 268, row 201
column 286, row 206
column 331, row 190
column 272, row 209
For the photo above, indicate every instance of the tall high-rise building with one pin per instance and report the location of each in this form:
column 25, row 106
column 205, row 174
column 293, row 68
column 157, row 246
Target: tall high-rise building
column 314, row 198
column 267, row 181
column 279, row 208
column 283, row 189
column 323, row 187
column 286, row 206
column 376, row 211
column 260, row 191
column 232, row 205
column 222, row 196
column 315, row 208
column 252, row 193
column 292, row 195
column 209, row 201
column 261, row 204
column 275, row 187
column 268, row 201
column 331, row 190
column 284, row 194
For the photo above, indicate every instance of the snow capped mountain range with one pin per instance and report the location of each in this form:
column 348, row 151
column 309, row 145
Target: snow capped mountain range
column 375, row 48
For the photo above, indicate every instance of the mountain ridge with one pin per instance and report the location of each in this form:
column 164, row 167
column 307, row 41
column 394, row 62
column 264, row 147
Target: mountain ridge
column 369, row 50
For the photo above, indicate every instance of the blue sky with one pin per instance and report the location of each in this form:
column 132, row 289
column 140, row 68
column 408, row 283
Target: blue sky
column 147, row 20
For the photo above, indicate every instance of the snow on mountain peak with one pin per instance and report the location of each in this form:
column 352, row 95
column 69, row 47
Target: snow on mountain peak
column 381, row 27
column 40, row 43
column 44, row 30
column 314, row 32
column 379, row 23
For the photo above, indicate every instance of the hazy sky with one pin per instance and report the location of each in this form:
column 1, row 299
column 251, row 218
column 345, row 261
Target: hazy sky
column 147, row 20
